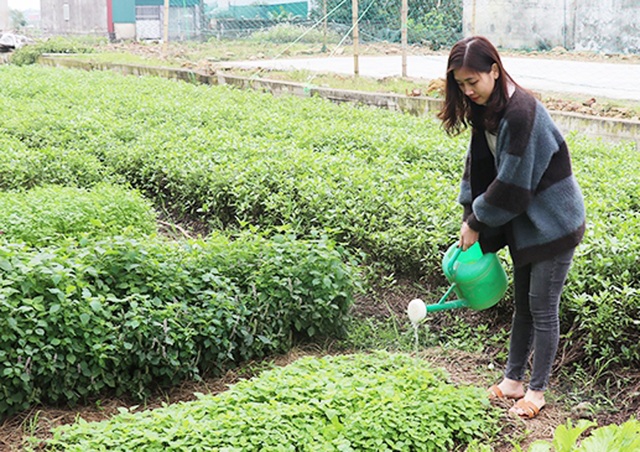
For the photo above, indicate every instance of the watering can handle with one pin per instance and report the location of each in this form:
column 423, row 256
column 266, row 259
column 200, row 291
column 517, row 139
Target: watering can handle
column 453, row 259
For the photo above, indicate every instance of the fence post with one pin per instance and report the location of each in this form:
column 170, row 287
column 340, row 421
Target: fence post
column 403, row 34
column 354, row 18
column 324, row 26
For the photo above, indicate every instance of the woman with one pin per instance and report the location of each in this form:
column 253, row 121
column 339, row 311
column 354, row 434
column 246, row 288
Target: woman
column 517, row 190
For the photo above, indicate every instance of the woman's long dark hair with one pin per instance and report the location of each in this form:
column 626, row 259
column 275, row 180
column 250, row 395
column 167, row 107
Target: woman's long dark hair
column 479, row 55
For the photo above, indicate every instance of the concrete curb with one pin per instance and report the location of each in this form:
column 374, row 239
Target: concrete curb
column 609, row 129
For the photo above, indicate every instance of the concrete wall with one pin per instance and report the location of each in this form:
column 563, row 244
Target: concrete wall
column 124, row 31
column 609, row 26
column 516, row 23
column 74, row 16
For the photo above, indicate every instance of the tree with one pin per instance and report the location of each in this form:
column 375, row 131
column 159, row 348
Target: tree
column 437, row 23
column 17, row 19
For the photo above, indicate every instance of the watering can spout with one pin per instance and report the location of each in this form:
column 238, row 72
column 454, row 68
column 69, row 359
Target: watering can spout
column 455, row 304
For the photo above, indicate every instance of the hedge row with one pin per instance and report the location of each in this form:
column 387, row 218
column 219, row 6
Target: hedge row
column 601, row 306
column 30, row 53
column 380, row 182
column 48, row 214
column 129, row 315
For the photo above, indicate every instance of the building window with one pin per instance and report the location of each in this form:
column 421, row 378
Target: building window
column 147, row 12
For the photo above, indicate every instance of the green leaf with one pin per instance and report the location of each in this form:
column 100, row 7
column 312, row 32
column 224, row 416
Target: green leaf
column 5, row 265
column 540, row 446
column 95, row 305
column 566, row 436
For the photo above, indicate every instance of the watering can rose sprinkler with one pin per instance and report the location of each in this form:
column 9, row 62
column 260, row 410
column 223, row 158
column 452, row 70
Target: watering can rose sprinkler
column 477, row 279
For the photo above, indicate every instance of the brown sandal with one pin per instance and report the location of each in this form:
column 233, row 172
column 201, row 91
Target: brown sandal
column 495, row 393
column 528, row 408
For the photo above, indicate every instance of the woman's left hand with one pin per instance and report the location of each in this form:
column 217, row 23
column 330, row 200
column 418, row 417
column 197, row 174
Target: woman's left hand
column 467, row 236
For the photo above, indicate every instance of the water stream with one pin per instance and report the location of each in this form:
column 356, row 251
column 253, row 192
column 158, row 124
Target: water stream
column 416, row 339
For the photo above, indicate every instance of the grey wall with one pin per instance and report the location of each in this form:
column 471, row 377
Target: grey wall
column 610, row 26
column 5, row 23
column 73, row 16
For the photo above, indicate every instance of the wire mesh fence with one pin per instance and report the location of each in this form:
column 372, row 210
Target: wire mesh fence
column 432, row 23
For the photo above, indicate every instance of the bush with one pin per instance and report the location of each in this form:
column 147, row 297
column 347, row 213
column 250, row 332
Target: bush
column 24, row 164
column 286, row 33
column 437, row 23
column 29, row 54
column 129, row 316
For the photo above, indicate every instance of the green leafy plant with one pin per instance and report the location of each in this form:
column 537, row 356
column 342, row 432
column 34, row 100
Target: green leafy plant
column 128, row 316
column 363, row 402
column 610, row 438
column 48, row 214
column 29, row 54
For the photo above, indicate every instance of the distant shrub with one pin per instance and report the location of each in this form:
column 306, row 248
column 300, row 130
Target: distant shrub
column 47, row 214
column 285, row 33
column 29, row 54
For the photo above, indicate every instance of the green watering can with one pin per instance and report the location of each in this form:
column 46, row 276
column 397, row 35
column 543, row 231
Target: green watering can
column 477, row 279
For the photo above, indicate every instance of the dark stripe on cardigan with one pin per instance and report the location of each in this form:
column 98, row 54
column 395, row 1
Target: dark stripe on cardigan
column 559, row 169
column 546, row 251
column 508, row 196
column 522, row 107
column 467, row 167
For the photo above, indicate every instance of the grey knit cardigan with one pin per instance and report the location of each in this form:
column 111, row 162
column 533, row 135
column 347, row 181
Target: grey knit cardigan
column 527, row 196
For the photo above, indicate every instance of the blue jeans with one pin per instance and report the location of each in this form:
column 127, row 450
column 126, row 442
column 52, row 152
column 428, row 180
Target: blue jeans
column 536, row 323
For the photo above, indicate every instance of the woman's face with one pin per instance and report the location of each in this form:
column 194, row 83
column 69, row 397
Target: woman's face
column 477, row 86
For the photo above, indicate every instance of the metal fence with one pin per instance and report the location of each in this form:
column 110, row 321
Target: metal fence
column 435, row 23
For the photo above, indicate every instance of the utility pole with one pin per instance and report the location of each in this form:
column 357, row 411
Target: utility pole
column 403, row 34
column 324, row 26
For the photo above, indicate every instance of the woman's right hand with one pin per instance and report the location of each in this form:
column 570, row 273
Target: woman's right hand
column 467, row 236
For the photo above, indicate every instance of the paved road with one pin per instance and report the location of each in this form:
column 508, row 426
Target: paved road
column 591, row 79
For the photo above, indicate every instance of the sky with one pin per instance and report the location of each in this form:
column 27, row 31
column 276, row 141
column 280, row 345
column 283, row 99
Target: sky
column 22, row 5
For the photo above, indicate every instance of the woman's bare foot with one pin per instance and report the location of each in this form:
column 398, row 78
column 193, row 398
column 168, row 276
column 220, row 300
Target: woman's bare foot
column 507, row 388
